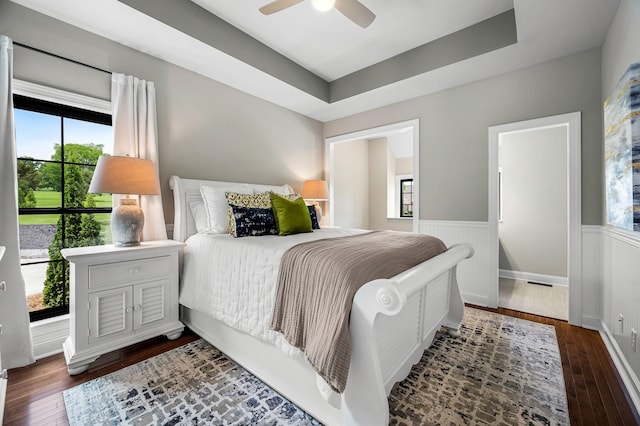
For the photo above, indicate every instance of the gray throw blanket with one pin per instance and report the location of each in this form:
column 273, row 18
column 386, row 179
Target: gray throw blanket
column 318, row 280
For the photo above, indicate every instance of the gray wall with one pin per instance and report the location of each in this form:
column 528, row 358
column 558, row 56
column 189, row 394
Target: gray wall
column 382, row 171
column 206, row 130
column 534, row 202
column 454, row 123
column 361, row 179
column 351, row 184
column 378, row 173
column 404, row 166
column 621, row 48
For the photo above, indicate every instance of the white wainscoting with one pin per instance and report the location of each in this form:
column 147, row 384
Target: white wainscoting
column 620, row 254
column 592, row 297
column 48, row 335
column 478, row 276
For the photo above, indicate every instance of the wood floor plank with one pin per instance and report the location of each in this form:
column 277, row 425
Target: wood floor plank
column 595, row 394
column 606, row 396
column 597, row 406
column 628, row 415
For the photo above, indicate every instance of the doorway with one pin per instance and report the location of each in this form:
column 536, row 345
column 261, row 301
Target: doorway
column 352, row 183
column 570, row 125
column 533, row 221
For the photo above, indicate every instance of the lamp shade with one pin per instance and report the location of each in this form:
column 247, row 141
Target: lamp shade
column 124, row 175
column 315, row 190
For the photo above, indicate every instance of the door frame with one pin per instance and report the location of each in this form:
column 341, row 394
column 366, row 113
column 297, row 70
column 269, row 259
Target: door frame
column 572, row 121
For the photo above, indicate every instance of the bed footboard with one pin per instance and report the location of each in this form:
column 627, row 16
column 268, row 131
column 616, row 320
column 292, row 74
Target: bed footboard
column 414, row 304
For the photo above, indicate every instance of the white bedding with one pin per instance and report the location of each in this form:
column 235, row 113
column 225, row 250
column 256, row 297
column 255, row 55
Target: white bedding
column 234, row 279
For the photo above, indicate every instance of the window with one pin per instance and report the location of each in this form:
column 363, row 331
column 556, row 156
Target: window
column 406, row 197
column 57, row 149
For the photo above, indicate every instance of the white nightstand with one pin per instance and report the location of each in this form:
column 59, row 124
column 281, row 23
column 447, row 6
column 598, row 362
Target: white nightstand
column 119, row 296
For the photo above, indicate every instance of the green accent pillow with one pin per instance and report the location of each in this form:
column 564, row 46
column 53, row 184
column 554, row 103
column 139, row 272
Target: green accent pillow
column 292, row 216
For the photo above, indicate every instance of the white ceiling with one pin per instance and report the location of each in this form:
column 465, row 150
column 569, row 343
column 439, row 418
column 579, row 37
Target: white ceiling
column 401, row 143
column 331, row 46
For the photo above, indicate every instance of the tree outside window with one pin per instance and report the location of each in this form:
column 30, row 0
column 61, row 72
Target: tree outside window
column 58, row 147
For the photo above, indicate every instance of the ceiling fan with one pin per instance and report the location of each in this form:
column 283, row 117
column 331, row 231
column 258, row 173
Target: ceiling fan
column 352, row 9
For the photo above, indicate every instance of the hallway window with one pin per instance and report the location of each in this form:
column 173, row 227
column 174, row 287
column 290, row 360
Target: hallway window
column 406, row 197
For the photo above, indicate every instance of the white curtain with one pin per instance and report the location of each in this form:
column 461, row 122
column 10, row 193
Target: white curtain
column 135, row 131
column 15, row 341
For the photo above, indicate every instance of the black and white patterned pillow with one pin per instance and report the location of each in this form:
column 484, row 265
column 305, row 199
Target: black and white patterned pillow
column 252, row 221
column 314, row 217
column 260, row 201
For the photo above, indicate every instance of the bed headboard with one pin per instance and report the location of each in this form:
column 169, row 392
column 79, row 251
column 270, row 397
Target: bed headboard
column 186, row 190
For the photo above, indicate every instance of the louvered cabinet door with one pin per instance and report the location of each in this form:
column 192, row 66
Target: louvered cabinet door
column 110, row 313
column 150, row 303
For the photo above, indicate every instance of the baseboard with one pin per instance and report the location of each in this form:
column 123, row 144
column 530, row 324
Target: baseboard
column 475, row 299
column 591, row 323
column 629, row 378
column 533, row 277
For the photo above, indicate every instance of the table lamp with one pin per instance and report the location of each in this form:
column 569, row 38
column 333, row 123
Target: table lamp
column 315, row 190
column 127, row 176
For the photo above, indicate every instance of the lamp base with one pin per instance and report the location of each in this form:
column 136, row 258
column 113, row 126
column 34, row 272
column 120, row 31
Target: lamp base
column 127, row 221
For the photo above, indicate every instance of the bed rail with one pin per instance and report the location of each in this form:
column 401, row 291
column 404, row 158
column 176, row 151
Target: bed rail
column 364, row 401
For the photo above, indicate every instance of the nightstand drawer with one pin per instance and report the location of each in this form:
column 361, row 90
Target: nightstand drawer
column 123, row 272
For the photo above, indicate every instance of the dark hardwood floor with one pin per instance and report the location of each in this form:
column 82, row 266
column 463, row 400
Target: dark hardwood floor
column 594, row 389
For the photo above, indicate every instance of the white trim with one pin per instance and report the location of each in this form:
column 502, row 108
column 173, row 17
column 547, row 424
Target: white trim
column 629, row 378
column 50, row 94
column 592, row 229
column 629, row 237
column 574, row 176
column 532, row 276
column 370, row 134
column 500, row 202
column 454, row 223
column 48, row 335
column 3, row 394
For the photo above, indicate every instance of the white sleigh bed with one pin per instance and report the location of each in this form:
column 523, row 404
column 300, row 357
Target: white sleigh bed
column 392, row 322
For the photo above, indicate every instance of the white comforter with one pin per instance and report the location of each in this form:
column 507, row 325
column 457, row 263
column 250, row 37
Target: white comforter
column 234, row 279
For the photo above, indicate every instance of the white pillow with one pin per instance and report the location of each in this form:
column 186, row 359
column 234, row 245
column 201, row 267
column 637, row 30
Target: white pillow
column 199, row 215
column 215, row 205
column 283, row 190
column 280, row 190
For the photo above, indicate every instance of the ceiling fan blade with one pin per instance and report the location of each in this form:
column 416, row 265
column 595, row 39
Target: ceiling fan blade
column 356, row 11
column 278, row 5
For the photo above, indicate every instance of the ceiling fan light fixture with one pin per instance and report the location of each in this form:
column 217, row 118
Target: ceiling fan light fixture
column 323, row 5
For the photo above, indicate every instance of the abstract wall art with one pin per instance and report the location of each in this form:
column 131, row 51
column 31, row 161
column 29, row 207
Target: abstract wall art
column 622, row 151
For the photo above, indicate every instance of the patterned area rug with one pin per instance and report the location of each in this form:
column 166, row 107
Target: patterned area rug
column 501, row 370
